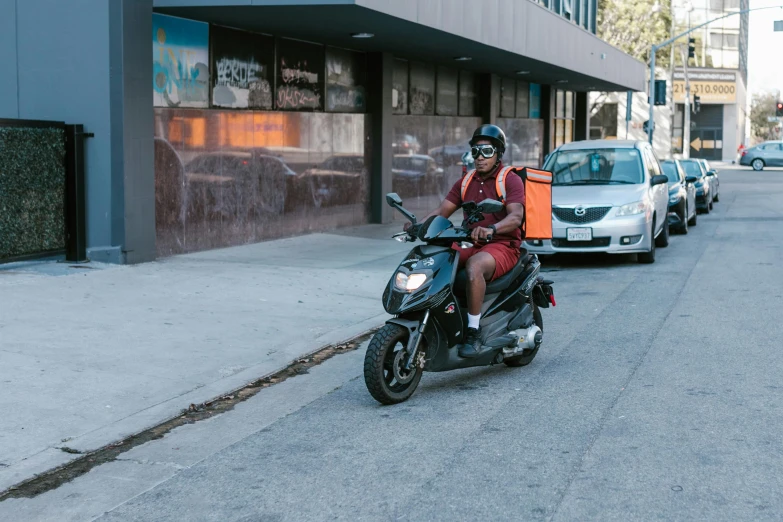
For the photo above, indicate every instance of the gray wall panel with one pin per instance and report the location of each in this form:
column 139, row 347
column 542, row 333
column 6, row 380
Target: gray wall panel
column 64, row 75
column 9, row 107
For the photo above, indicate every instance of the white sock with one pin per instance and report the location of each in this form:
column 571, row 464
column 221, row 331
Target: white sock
column 473, row 321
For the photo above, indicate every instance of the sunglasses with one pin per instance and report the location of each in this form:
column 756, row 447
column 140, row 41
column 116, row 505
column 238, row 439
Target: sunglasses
column 485, row 150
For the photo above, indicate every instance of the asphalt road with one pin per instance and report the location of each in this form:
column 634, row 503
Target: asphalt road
column 656, row 396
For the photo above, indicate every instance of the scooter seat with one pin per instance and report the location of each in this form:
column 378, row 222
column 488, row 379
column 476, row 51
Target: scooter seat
column 499, row 284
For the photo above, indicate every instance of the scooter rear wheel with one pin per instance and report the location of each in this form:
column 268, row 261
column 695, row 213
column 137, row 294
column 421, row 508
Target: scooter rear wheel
column 527, row 355
column 384, row 366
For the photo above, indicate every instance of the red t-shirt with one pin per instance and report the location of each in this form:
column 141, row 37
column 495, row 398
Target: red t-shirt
column 480, row 189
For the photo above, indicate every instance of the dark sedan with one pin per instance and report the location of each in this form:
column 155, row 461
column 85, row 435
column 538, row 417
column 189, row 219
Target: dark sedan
column 694, row 167
column 682, row 196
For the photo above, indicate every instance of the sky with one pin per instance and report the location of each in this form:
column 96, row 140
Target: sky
column 765, row 67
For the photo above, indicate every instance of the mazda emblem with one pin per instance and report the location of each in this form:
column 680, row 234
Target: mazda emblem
column 580, row 211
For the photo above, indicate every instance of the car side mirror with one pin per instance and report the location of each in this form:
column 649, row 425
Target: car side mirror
column 490, row 206
column 393, row 199
column 711, row 173
column 691, row 179
column 658, row 180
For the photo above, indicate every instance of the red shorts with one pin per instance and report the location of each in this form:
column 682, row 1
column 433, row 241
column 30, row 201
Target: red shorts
column 505, row 256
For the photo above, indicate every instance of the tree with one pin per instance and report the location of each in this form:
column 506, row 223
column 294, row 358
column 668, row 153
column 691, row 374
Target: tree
column 763, row 106
column 633, row 27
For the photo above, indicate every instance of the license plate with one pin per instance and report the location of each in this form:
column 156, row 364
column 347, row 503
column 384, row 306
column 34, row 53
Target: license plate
column 580, row 234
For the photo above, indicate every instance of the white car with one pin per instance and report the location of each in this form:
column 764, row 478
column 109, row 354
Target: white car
column 607, row 196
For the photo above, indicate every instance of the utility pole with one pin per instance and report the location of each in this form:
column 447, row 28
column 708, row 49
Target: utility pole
column 686, row 126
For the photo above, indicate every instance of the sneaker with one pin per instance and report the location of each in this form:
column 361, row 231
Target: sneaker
column 472, row 346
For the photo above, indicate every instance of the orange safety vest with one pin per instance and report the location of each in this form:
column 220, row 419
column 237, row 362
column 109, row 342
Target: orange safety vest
column 538, row 198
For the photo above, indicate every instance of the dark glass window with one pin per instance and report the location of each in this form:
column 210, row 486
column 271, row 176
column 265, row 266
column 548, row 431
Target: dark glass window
column 300, row 76
column 400, row 87
column 468, row 97
column 447, row 98
column 244, row 65
column 422, row 88
column 345, row 80
column 523, row 99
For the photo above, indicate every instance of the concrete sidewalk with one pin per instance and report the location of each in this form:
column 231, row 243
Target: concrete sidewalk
column 91, row 355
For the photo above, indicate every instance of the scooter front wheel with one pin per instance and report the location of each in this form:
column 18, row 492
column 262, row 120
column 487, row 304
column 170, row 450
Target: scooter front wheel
column 384, row 366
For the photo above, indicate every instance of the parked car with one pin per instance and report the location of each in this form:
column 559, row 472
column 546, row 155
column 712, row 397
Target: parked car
column 340, row 179
column 406, row 144
column 237, row 184
column 682, row 196
column 608, row 196
column 415, row 175
column 767, row 154
column 694, row 167
column 712, row 175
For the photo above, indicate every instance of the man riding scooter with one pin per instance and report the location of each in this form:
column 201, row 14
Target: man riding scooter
column 498, row 236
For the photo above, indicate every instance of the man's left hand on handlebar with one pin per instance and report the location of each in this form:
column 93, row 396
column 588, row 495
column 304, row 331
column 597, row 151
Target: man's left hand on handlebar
column 481, row 234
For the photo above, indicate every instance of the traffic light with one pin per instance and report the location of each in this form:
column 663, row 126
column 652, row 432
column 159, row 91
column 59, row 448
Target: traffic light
column 779, row 109
column 660, row 92
column 691, row 48
column 697, row 103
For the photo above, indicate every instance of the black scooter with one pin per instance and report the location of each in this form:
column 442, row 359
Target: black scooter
column 427, row 297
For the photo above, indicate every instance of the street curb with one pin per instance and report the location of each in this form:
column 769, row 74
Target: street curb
column 53, row 459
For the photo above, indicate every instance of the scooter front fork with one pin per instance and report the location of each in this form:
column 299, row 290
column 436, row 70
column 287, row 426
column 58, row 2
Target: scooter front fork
column 412, row 357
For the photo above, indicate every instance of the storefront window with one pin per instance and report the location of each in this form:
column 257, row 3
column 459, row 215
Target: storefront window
column 535, row 101
column 400, row 87
column 564, row 117
column 468, row 97
column 244, row 65
column 508, row 91
column 447, row 98
column 345, row 78
column 422, row 88
column 523, row 100
column 300, row 76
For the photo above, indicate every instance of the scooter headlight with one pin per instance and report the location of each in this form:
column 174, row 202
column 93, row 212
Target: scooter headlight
column 409, row 283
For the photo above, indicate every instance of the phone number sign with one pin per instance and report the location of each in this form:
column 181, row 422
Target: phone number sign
column 707, row 91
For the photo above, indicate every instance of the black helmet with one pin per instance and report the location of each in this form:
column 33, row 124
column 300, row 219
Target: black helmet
column 494, row 134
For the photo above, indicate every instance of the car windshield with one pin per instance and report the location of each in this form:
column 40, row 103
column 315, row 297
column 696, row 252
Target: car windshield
column 670, row 169
column 691, row 168
column 596, row 167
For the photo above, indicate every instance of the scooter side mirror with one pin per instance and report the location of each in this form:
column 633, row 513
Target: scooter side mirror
column 490, row 206
column 393, row 199
column 467, row 159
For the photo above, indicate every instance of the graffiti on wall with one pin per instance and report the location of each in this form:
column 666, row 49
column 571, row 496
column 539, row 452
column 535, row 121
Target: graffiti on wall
column 242, row 65
column 180, row 54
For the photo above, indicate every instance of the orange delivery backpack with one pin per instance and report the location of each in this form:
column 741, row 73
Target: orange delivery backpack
column 538, row 199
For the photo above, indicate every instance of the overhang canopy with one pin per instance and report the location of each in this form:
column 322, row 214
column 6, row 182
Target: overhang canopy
column 501, row 36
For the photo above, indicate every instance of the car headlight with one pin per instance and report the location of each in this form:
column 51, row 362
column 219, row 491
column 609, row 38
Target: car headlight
column 632, row 209
column 409, row 283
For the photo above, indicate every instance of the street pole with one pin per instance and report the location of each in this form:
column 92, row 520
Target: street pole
column 655, row 48
column 686, row 126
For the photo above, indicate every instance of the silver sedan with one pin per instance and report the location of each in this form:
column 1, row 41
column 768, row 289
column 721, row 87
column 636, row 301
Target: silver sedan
column 608, row 196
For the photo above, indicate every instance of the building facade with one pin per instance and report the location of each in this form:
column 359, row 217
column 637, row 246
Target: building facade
column 224, row 122
column 718, row 74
